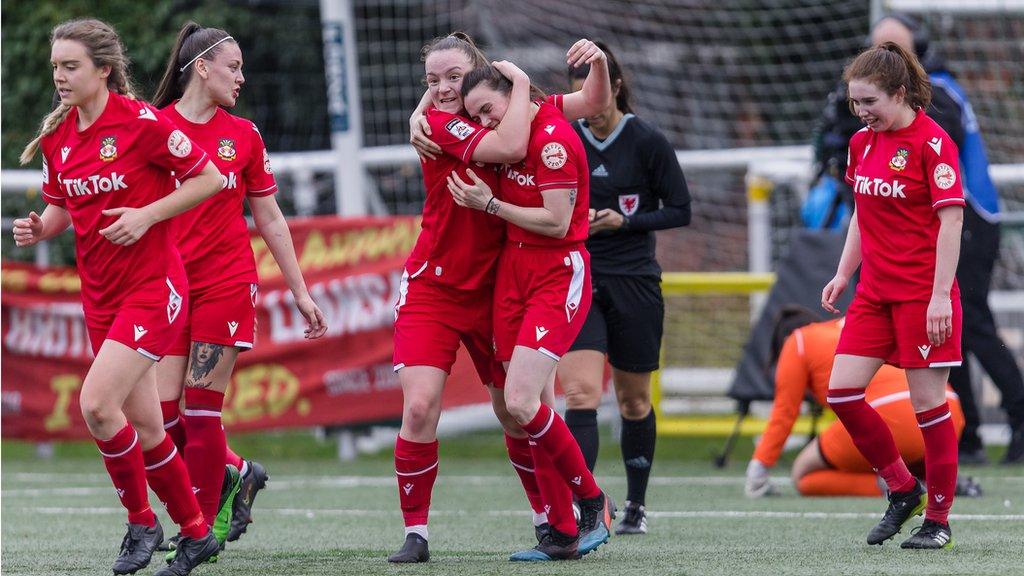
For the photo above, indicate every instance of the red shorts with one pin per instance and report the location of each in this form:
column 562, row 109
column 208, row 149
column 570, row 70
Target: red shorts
column 223, row 314
column 541, row 299
column 432, row 319
column 147, row 321
column 897, row 333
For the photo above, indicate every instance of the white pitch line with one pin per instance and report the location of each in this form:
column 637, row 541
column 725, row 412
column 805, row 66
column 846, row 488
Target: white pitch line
column 666, row 514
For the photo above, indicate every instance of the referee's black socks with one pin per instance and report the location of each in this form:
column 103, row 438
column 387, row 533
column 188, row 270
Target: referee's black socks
column 583, row 425
column 638, row 454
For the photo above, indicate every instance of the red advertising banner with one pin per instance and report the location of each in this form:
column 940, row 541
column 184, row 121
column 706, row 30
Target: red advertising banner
column 352, row 268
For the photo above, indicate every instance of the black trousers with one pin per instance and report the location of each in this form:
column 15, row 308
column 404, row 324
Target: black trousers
column 979, row 250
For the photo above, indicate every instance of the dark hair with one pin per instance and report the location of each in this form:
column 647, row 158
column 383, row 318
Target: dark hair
column 890, row 67
column 788, row 319
column 104, row 48
column 624, row 99
column 490, row 77
column 456, row 41
column 192, row 41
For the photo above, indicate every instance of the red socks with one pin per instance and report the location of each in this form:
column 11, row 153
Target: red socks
column 521, row 457
column 206, row 447
column 940, row 460
column 173, row 424
column 231, row 458
column 122, row 456
column 416, row 470
column 169, row 478
column 871, row 436
column 551, row 434
column 555, row 492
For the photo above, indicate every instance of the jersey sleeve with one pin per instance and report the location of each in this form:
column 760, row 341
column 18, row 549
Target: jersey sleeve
column 557, row 166
column 259, row 176
column 455, row 135
column 556, row 100
column 942, row 169
column 666, row 177
column 791, row 382
column 52, row 192
column 168, row 147
column 853, row 155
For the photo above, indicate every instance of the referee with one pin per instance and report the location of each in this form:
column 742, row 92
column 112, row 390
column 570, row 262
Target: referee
column 636, row 187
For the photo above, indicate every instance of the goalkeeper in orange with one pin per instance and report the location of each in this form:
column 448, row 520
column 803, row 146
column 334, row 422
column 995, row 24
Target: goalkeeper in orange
column 830, row 465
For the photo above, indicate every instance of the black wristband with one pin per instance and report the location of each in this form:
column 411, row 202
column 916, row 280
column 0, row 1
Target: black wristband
column 488, row 207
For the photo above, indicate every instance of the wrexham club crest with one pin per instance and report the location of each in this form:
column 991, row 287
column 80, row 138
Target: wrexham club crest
column 899, row 160
column 108, row 149
column 226, row 149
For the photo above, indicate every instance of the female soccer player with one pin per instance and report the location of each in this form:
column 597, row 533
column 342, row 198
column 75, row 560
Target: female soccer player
column 906, row 312
column 541, row 299
column 830, row 465
column 448, row 286
column 203, row 77
column 636, row 187
column 107, row 162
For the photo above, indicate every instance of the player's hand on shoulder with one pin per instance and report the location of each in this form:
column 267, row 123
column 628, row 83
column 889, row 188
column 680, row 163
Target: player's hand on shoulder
column 419, row 137
column 584, row 52
column 27, row 231
column 131, row 225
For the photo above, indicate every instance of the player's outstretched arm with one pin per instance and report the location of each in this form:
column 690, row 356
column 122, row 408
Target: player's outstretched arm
column 596, row 94
column 273, row 227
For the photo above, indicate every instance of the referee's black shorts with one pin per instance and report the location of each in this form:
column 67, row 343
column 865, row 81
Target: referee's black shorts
column 626, row 321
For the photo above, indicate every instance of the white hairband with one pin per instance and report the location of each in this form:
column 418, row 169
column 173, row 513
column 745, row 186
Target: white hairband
column 200, row 55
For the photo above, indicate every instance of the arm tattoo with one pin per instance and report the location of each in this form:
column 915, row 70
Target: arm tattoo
column 204, row 359
column 572, row 197
column 493, row 206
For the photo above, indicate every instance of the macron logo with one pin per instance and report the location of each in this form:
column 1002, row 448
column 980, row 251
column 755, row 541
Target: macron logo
column 939, row 497
column 541, row 332
column 936, row 144
column 924, row 350
column 232, row 326
column 549, row 128
column 64, row 153
column 146, row 114
column 407, row 488
column 139, row 332
column 577, row 480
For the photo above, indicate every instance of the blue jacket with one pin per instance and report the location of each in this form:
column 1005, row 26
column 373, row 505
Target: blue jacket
column 978, row 186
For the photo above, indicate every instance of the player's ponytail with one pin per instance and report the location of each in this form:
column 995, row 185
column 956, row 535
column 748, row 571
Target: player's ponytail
column 890, row 67
column 193, row 42
column 624, row 98
column 104, row 48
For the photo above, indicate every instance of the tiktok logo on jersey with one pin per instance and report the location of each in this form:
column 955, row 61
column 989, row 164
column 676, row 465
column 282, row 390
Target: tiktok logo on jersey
column 229, row 180
column 879, row 187
column 93, row 184
column 519, row 178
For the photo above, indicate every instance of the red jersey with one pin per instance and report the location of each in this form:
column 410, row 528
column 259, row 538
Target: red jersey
column 457, row 246
column 124, row 159
column 213, row 237
column 555, row 158
column 900, row 178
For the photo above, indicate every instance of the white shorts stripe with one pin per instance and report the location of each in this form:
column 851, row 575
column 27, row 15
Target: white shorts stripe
column 210, row 413
column 148, row 354
column 135, row 441
column 417, row 473
column 243, row 344
column 575, row 294
column 174, row 450
column 172, row 423
column 946, row 364
column 841, row 399
column 549, row 354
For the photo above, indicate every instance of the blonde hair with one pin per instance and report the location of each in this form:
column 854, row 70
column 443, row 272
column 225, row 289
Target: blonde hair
column 104, row 48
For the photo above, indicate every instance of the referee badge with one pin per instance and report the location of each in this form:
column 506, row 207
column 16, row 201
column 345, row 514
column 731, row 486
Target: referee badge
column 628, row 203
